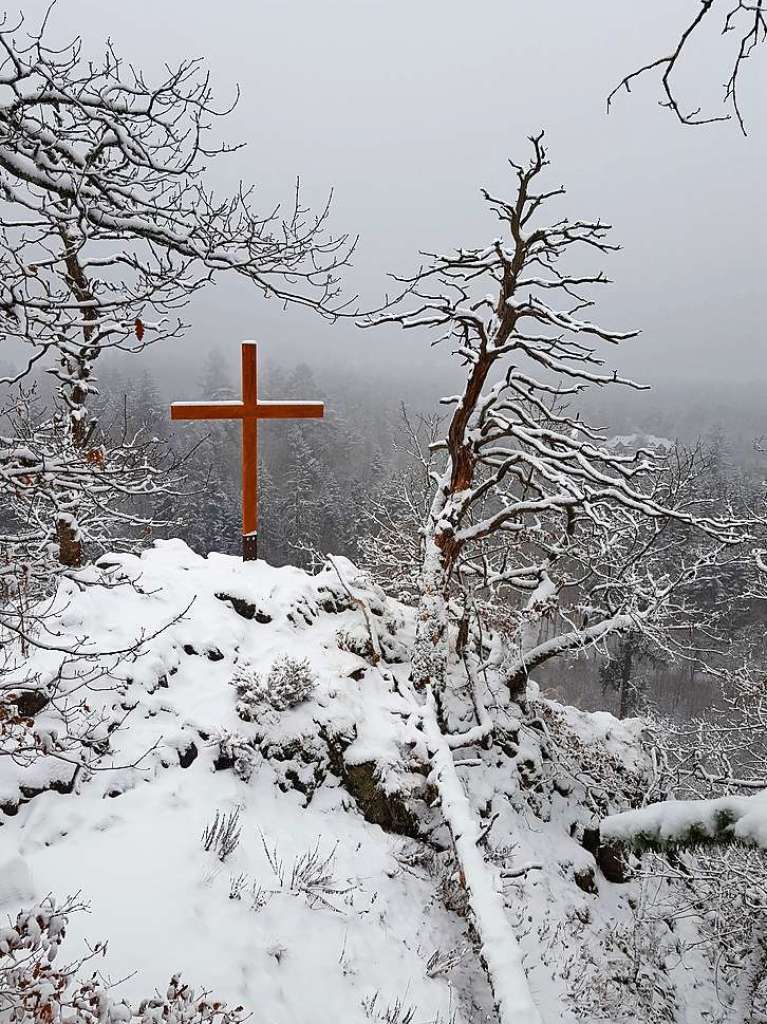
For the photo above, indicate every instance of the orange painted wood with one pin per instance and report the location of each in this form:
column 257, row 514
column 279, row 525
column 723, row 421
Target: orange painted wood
column 206, row 411
column 249, row 439
column 249, row 476
column 290, row 410
column 249, row 411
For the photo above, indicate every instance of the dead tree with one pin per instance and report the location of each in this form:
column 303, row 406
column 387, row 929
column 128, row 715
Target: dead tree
column 108, row 225
column 529, row 497
column 744, row 21
column 528, row 501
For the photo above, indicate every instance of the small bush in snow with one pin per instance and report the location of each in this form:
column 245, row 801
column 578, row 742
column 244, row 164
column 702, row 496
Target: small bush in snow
column 356, row 641
column 223, row 834
column 244, row 890
column 236, row 752
column 397, row 1012
column 289, row 682
column 312, row 875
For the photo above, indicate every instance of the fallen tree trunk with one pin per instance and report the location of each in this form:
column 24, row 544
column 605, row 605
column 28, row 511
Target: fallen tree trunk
column 500, row 952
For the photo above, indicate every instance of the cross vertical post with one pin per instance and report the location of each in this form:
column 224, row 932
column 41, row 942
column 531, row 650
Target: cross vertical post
column 249, row 411
column 250, row 453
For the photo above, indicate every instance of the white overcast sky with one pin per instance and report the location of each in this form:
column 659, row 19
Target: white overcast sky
column 406, row 107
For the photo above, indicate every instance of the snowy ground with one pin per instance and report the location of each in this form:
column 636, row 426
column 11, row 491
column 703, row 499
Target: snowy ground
column 381, row 926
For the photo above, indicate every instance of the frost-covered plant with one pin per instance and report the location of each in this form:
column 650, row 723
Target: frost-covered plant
column 36, row 990
column 397, row 1012
column 243, row 889
column 622, row 977
column 312, row 875
column 442, row 961
column 223, row 834
column 451, row 889
column 237, row 752
column 712, row 878
column 289, row 682
column 356, row 641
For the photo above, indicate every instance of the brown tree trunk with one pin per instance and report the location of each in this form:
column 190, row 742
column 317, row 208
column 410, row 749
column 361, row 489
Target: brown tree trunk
column 70, row 545
column 75, row 391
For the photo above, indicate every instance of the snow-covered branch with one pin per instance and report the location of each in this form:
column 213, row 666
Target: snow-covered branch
column 727, row 819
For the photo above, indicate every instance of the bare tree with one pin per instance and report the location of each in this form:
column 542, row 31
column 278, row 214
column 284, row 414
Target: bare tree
column 63, row 500
column 743, row 20
column 107, row 223
column 529, row 503
column 530, row 497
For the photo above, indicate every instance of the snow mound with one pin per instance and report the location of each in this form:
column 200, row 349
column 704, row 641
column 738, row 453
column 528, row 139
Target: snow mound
column 312, row 917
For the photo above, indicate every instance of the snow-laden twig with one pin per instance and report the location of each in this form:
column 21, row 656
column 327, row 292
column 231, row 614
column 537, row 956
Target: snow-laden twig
column 360, row 603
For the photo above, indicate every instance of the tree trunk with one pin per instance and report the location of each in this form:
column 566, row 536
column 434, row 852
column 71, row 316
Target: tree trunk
column 500, row 952
column 431, row 648
column 76, row 373
column 70, row 545
column 628, row 693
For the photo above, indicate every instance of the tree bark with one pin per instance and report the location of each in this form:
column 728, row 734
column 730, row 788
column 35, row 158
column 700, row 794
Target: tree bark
column 70, row 545
column 431, row 648
column 77, row 367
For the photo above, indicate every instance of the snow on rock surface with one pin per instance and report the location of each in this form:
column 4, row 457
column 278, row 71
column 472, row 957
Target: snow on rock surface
column 341, row 903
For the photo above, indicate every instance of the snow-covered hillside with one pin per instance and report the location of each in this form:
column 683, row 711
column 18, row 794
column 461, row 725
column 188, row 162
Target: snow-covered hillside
column 341, row 901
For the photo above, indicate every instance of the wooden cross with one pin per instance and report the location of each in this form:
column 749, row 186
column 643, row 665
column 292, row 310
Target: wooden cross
column 249, row 411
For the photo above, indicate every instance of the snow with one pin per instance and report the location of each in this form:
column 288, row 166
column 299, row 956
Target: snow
column 129, row 838
column 159, row 639
column 740, row 817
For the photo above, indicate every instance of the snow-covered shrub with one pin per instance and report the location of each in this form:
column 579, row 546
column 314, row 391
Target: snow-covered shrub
column 383, row 645
column 356, row 641
column 623, row 976
column 289, row 682
column 300, row 761
column 311, row 875
column 236, row 752
column 720, row 885
column 397, row 1012
column 223, row 834
column 33, row 990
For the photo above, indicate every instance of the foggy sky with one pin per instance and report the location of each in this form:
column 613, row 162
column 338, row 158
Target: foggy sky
column 406, row 107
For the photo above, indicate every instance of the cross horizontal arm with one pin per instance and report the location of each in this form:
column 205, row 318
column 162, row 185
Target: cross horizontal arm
column 207, row 411
column 288, row 411
column 240, row 411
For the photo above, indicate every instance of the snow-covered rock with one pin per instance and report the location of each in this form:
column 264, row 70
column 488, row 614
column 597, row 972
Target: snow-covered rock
column 340, row 902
